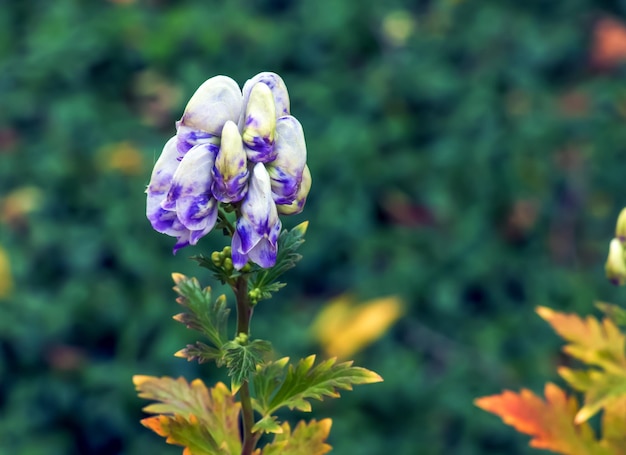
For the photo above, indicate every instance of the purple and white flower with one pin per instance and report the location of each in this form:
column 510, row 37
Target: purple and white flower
column 237, row 148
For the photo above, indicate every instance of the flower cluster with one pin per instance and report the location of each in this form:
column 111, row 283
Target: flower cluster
column 236, row 147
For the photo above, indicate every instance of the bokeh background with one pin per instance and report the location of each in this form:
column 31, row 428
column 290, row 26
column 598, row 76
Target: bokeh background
column 467, row 157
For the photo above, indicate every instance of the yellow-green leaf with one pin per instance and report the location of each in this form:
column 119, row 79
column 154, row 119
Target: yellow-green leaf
column 306, row 439
column 178, row 401
column 268, row 424
column 613, row 425
column 591, row 341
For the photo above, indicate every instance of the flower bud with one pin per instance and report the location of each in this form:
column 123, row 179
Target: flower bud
column 298, row 204
column 215, row 102
column 615, row 264
column 276, row 85
column 230, row 172
column 260, row 125
column 286, row 170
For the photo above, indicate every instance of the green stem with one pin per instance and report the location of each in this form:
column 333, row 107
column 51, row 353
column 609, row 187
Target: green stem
column 244, row 314
column 227, row 224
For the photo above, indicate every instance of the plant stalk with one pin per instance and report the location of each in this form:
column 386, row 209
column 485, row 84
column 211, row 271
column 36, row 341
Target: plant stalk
column 244, row 314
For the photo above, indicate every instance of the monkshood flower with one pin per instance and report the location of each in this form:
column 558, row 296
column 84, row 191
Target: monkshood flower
column 241, row 148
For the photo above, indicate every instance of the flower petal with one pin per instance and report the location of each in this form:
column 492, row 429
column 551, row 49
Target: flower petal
column 159, row 186
column 190, row 193
column 230, row 172
column 260, row 125
column 259, row 222
column 263, row 254
column 276, row 85
column 189, row 137
column 298, row 204
column 238, row 256
column 216, row 101
column 286, row 170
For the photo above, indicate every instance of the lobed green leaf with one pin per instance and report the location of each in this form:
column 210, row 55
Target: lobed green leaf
column 203, row 315
column 292, row 387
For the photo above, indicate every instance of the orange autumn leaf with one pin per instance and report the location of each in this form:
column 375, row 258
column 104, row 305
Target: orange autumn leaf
column 550, row 422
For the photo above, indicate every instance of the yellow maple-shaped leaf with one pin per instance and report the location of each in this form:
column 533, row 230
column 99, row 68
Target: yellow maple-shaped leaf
column 614, row 425
column 591, row 341
column 550, row 422
column 205, row 421
column 600, row 344
column 306, row 439
column 344, row 327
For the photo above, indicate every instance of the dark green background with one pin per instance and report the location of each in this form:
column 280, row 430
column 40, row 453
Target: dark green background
column 475, row 169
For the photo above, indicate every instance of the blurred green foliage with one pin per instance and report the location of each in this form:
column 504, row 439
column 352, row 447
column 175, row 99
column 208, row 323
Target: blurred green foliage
column 466, row 155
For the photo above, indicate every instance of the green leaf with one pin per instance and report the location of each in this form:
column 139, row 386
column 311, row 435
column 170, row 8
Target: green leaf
column 191, row 415
column 265, row 280
column 201, row 352
column 307, row 439
column 242, row 356
column 268, row 424
column 600, row 390
column 277, row 387
column 615, row 313
column 207, row 317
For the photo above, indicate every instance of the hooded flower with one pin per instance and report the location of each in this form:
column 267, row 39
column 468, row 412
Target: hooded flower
column 230, row 172
column 286, row 170
column 238, row 148
column 297, row 205
column 256, row 235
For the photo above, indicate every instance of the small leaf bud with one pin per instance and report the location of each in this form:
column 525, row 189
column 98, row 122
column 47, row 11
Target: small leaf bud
column 228, row 265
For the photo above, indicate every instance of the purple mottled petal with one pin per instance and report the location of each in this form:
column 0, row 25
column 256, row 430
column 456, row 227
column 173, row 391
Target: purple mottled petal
column 258, row 208
column 286, row 170
column 239, row 258
column 188, row 137
column 258, row 227
column 298, row 204
column 164, row 169
column 216, row 101
column 197, row 213
column 159, row 186
column 230, row 172
column 248, row 235
column 260, row 125
column 278, row 88
column 193, row 176
column 182, row 241
column 274, row 233
column 197, row 235
column 263, row 254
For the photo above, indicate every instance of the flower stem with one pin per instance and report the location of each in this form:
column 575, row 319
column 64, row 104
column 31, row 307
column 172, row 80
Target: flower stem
column 244, row 314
